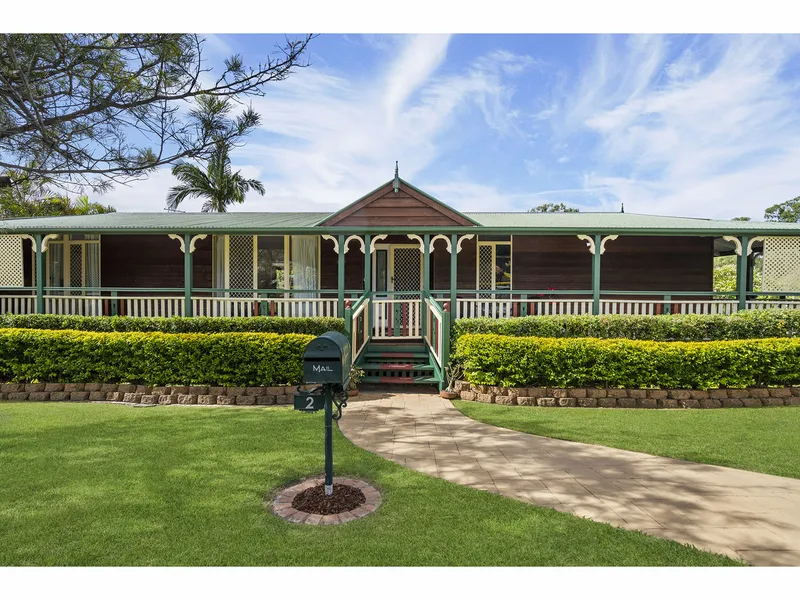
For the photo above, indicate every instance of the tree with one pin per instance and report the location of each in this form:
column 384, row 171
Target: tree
column 786, row 212
column 217, row 184
column 33, row 198
column 96, row 109
column 550, row 207
column 740, row 219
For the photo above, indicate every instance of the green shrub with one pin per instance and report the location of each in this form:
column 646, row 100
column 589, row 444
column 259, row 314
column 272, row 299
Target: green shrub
column 580, row 362
column 152, row 358
column 748, row 324
column 308, row 325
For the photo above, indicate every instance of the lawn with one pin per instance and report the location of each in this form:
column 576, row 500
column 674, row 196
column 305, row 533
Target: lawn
column 91, row 484
column 766, row 440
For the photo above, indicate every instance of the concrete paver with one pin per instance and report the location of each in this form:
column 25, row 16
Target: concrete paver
column 746, row 515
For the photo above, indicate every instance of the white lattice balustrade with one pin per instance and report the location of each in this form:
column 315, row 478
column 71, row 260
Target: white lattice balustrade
column 781, row 264
column 11, row 273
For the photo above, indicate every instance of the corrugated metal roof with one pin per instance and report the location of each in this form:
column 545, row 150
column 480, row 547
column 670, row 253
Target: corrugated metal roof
column 246, row 221
column 584, row 222
column 589, row 221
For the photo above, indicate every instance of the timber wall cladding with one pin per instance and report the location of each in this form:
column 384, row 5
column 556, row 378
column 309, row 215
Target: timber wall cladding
column 541, row 262
column 134, row 261
column 629, row 263
column 390, row 208
column 658, row 263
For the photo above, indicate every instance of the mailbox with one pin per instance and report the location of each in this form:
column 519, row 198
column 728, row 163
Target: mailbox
column 327, row 360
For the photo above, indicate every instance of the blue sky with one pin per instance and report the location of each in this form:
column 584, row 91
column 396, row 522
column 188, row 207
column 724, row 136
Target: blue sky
column 689, row 125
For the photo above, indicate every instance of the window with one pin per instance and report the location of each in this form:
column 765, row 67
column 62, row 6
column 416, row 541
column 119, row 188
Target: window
column 271, row 262
column 494, row 263
column 73, row 261
column 266, row 262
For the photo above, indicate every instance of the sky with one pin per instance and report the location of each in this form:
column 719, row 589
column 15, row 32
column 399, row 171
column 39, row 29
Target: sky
column 683, row 125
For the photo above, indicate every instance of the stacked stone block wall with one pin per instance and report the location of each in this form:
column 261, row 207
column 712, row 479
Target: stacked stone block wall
column 141, row 394
column 629, row 398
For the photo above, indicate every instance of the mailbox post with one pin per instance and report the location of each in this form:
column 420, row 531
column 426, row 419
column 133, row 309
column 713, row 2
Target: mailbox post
column 326, row 361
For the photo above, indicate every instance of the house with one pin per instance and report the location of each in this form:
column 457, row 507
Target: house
column 398, row 257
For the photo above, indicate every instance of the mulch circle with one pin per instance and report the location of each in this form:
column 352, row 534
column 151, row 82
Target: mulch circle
column 314, row 501
column 306, row 502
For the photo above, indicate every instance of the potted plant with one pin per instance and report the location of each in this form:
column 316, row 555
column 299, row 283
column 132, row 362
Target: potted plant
column 452, row 373
column 356, row 374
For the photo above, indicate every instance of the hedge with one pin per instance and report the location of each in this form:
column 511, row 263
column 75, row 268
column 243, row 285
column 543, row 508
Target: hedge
column 153, row 358
column 307, row 325
column 750, row 324
column 570, row 362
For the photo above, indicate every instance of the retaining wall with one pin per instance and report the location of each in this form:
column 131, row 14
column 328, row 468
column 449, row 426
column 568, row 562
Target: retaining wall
column 630, row 398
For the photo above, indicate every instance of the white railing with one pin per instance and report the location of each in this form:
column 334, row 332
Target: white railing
column 579, row 306
column 503, row 309
column 433, row 330
column 130, row 306
column 268, row 307
column 396, row 318
column 767, row 304
column 359, row 327
column 494, row 309
column 300, row 307
column 18, row 305
column 706, row 307
column 500, row 309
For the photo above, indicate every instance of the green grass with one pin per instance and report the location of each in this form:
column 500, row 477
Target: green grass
column 87, row 484
column 766, row 440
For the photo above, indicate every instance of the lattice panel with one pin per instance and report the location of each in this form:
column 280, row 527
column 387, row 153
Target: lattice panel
column 75, row 267
column 485, row 268
column 781, row 264
column 240, row 264
column 11, row 273
column 407, row 269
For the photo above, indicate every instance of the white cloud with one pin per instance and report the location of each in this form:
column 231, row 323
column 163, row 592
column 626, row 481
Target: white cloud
column 327, row 138
column 712, row 132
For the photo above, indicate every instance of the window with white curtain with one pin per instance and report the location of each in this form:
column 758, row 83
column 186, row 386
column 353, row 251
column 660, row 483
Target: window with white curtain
column 73, row 261
column 305, row 264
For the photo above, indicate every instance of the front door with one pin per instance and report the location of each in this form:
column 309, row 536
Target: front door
column 397, row 268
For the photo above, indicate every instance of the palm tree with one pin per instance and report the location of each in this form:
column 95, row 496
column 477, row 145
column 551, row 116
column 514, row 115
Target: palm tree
column 217, row 184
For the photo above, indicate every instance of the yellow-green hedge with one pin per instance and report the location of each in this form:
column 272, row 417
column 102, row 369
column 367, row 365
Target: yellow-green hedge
column 152, row 358
column 580, row 362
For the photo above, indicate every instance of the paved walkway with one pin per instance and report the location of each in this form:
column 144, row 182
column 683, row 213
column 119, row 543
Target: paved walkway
column 742, row 514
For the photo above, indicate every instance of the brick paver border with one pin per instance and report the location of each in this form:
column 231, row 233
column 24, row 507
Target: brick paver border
column 282, row 505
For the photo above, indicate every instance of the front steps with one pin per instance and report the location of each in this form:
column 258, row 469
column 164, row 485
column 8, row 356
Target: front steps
column 397, row 362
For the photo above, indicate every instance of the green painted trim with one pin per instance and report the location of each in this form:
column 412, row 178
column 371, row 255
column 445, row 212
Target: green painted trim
column 340, row 276
column 426, row 278
column 41, row 273
column 453, row 271
column 446, row 317
column 741, row 273
column 367, row 264
column 596, row 275
column 187, row 276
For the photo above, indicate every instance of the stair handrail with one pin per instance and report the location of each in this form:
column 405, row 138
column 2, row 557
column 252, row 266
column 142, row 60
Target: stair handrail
column 437, row 334
column 356, row 322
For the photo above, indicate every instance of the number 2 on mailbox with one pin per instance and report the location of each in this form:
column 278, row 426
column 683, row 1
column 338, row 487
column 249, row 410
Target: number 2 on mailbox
column 309, row 403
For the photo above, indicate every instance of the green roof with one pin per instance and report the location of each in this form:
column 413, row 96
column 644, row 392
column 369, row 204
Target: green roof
column 615, row 220
column 166, row 221
column 307, row 222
